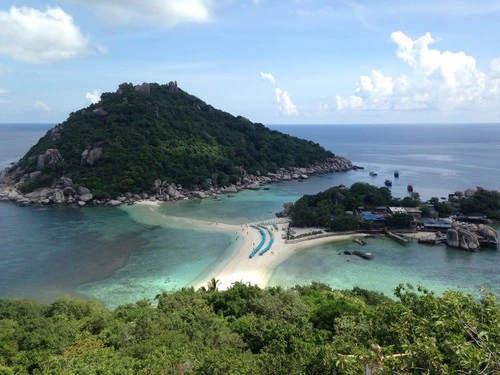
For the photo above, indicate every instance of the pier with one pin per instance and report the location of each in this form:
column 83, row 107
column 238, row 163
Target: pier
column 396, row 237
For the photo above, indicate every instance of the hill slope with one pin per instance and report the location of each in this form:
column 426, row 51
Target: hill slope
column 142, row 133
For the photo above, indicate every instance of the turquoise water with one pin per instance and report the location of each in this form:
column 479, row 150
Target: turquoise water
column 122, row 255
column 436, row 267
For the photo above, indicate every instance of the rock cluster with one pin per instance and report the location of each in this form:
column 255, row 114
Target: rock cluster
column 144, row 89
column 64, row 191
column 470, row 236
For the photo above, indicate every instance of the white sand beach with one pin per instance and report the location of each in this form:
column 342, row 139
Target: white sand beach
column 259, row 269
column 238, row 266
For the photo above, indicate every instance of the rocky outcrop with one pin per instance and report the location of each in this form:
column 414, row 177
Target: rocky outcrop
column 63, row 190
column 452, row 238
column 144, row 89
column 90, row 156
column 49, row 157
column 172, row 86
column 99, row 112
column 470, row 236
column 253, row 186
column 488, row 233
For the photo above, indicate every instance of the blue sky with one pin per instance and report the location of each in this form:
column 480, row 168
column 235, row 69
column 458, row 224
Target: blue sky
column 273, row 61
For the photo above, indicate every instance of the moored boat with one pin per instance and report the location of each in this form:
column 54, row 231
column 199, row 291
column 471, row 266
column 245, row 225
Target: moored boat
column 396, row 174
column 410, row 188
column 388, row 183
column 373, row 174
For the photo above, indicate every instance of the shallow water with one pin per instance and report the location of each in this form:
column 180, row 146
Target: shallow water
column 437, row 268
column 122, row 255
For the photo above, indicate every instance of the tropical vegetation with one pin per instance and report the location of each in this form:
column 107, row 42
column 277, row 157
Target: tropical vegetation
column 309, row 329
column 163, row 133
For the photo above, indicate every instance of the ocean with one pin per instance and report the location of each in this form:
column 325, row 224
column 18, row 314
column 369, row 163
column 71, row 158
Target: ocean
column 126, row 254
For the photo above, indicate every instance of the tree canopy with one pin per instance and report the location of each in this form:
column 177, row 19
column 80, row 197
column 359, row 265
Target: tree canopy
column 309, row 329
column 165, row 134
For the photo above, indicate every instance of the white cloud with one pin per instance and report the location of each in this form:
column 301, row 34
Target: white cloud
column 437, row 80
column 495, row 66
column 268, row 77
column 3, row 91
column 93, row 96
column 285, row 104
column 41, row 106
column 103, row 50
column 281, row 97
column 35, row 36
column 153, row 12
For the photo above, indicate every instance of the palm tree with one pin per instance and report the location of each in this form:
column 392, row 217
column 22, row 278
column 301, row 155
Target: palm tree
column 213, row 285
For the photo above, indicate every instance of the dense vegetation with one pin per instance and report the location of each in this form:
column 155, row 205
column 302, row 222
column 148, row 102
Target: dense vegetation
column 486, row 202
column 334, row 207
column 165, row 134
column 247, row 330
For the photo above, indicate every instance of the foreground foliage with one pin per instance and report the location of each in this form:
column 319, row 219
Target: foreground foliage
column 168, row 135
column 247, row 330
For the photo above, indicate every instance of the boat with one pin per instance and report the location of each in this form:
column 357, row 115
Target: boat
column 388, row 183
column 360, row 254
column 396, row 174
column 373, row 173
column 410, row 188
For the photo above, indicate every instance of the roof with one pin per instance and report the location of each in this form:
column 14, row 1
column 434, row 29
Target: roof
column 372, row 217
column 398, row 210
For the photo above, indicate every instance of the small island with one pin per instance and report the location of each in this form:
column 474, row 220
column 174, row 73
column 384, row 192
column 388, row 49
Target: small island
column 460, row 222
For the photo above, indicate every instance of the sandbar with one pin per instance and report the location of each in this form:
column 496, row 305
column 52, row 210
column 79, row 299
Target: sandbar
column 237, row 266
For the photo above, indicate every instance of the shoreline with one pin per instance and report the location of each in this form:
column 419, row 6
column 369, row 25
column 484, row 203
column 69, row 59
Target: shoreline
column 237, row 266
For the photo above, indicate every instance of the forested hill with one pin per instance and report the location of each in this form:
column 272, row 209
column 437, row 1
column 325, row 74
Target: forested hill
column 141, row 133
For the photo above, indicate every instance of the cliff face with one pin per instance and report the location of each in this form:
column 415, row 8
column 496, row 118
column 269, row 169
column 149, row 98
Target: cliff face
column 149, row 132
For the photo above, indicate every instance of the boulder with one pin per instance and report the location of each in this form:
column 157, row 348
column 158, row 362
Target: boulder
column 254, row 186
column 230, row 190
column 68, row 191
column 57, row 197
column 113, row 203
column 452, row 238
column 198, row 194
column 86, row 197
column 23, row 201
column 81, row 203
column 144, row 89
column 49, row 157
column 82, row 190
column 172, row 87
column 13, row 195
column 90, row 156
column 39, row 194
column 94, row 155
column 65, row 182
column 100, row 112
column 487, row 232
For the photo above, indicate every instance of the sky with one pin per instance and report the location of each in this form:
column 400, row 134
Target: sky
column 272, row 61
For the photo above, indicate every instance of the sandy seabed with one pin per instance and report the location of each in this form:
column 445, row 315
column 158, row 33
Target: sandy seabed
column 239, row 267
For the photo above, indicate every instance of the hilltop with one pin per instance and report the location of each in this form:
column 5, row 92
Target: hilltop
column 148, row 138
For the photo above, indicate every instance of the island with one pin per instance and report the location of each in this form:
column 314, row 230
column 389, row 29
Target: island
column 156, row 140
